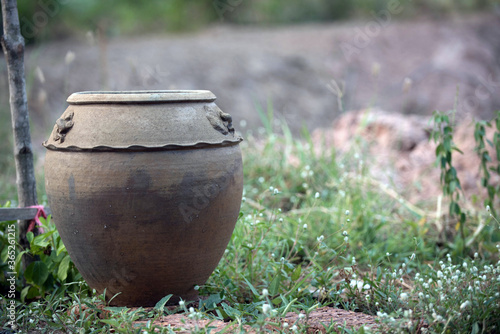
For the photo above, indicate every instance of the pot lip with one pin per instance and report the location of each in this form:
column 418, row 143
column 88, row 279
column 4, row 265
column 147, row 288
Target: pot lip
column 140, row 96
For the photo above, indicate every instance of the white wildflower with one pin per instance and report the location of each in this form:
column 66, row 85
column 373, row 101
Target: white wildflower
column 464, row 304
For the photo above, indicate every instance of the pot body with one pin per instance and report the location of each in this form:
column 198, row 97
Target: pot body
column 144, row 217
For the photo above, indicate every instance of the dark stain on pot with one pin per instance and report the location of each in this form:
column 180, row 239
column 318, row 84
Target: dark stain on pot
column 71, row 187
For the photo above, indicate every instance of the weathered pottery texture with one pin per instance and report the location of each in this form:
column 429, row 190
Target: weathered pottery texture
column 145, row 189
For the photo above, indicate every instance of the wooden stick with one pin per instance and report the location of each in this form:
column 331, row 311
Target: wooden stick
column 13, row 46
column 7, row 214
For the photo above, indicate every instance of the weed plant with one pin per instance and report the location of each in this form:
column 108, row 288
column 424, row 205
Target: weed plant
column 314, row 231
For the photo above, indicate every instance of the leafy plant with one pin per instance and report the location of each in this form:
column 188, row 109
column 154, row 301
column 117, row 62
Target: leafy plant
column 442, row 135
column 487, row 164
column 52, row 268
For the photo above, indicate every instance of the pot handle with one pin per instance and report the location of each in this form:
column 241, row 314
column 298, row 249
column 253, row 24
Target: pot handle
column 63, row 125
column 220, row 121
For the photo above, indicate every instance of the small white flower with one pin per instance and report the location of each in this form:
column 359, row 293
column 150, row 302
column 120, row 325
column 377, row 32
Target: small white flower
column 294, row 328
column 191, row 309
column 344, row 233
column 266, row 308
column 181, row 303
column 302, row 316
column 276, row 191
column 265, row 292
column 261, row 179
column 197, row 287
column 346, row 239
column 476, row 255
column 285, row 325
column 387, row 254
column 320, row 238
column 403, row 296
column 488, row 208
column 316, row 195
column 280, row 220
column 304, row 226
column 412, row 257
column 464, row 304
column 347, row 212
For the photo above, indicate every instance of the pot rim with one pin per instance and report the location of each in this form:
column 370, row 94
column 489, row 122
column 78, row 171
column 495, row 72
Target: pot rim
column 140, row 96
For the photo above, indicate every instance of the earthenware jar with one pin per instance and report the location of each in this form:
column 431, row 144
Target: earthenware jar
column 145, row 189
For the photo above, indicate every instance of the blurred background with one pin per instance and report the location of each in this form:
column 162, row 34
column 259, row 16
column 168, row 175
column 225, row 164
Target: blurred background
column 307, row 62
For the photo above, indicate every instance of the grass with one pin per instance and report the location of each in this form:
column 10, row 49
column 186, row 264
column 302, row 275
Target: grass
column 314, row 230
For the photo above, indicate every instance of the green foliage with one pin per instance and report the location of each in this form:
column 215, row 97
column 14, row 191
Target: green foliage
column 442, row 135
column 488, row 166
column 51, row 269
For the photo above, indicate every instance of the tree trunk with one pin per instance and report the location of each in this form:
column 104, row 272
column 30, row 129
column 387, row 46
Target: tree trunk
column 13, row 47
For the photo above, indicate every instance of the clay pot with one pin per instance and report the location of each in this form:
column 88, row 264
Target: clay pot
column 145, row 189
